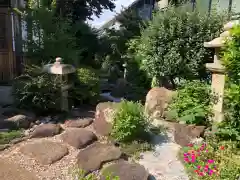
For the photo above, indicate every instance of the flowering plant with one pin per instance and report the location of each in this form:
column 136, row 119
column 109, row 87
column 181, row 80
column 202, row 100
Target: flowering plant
column 210, row 161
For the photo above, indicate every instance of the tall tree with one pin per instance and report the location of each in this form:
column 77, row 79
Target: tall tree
column 83, row 9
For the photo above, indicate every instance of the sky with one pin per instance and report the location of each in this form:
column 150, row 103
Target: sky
column 108, row 15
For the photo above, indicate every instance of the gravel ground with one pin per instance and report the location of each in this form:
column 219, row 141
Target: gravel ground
column 55, row 171
column 162, row 163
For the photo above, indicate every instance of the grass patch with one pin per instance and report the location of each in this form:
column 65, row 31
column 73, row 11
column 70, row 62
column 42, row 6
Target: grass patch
column 6, row 137
column 135, row 148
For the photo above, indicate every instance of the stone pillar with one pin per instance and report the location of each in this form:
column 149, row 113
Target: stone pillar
column 63, row 70
column 217, row 70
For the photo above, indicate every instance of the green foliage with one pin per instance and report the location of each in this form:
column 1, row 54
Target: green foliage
column 192, row 105
column 80, row 174
column 230, row 127
column 37, row 91
column 82, row 10
column 114, row 42
column 87, row 86
column 50, row 35
column 6, row 137
column 172, row 44
column 129, row 122
column 231, row 56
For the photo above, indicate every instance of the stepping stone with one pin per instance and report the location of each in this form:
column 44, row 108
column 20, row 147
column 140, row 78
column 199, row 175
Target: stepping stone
column 12, row 171
column 45, row 152
column 93, row 157
column 79, row 123
column 78, row 137
column 46, row 130
column 126, row 171
column 21, row 121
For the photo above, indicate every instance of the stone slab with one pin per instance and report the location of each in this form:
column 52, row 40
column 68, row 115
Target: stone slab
column 78, row 137
column 94, row 156
column 45, row 152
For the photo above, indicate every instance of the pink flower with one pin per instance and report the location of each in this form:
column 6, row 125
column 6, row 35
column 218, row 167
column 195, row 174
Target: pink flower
column 186, row 159
column 199, row 167
column 210, row 161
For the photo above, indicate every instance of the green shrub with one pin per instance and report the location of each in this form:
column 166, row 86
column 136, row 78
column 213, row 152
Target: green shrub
column 192, row 105
column 37, row 91
column 230, row 127
column 129, row 122
column 172, row 45
column 87, row 86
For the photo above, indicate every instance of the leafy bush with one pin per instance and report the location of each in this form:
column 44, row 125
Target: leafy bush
column 192, row 103
column 87, row 86
column 172, row 45
column 230, row 127
column 37, row 91
column 129, row 122
column 212, row 160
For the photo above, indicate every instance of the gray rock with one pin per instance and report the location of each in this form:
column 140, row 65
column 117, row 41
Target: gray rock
column 126, row 171
column 21, row 121
column 46, row 130
column 94, row 156
column 78, row 137
column 45, row 152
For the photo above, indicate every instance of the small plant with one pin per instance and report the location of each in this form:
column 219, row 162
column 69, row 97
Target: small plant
column 134, row 148
column 6, row 137
column 192, row 105
column 79, row 174
column 211, row 161
column 129, row 122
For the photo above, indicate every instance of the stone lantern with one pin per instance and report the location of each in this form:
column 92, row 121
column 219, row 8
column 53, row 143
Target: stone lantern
column 63, row 71
column 217, row 70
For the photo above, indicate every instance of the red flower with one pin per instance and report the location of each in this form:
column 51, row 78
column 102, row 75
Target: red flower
column 190, row 145
column 221, row 147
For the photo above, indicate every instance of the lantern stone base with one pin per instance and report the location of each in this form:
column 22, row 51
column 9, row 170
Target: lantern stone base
column 64, row 97
column 218, row 82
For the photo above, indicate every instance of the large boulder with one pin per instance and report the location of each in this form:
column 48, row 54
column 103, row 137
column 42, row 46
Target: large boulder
column 185, row 134
column 45, row 130
column 78, row 137
column 21, row 121
column 126, row 171
column 157, row 101
column 94, row 156
column 104, row 117
column 11, row 111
